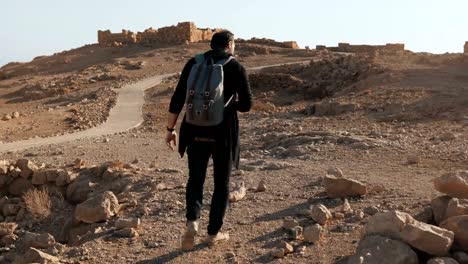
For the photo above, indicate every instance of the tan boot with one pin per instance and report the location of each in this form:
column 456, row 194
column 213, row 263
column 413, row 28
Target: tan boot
column 188, row 239
column 215, row 239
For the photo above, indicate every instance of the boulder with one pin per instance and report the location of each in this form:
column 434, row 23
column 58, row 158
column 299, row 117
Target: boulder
column 27, row 167
column 461, row 257
column 454, row 184
column 382, row 250
column 78, row 191
column 442, row 261
column 34, row 240
column 401, row 226
column 39, row 177
column 459, row 226
column 456, row 207
column 4, row 165
column 341, row 187
column 313, row 233
column 98, row 208
column 320, row 214
column 19, row 186
column 64, row 177
column 289, row 223
column 127, row 223
column 439, row 208
column 36, row 256
column 127, row 232
column 7, row 228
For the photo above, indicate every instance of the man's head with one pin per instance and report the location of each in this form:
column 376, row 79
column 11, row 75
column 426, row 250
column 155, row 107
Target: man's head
column 223, row 40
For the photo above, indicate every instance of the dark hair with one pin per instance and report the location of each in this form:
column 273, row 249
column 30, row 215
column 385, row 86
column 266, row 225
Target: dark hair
column 220, row 40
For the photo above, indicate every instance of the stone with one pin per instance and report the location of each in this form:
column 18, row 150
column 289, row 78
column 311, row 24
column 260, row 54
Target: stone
column 296, row 233
column 342, row 187
column 288, row 248
column 448, row 136
column 41, row 241
column 289, row 223
column 456, row 207
column 123, row 223
column 346, row 207
column 357, row 216
column 334, row 171
column 7, row 229
column 10, row 209
column 36, row 256
column 278, row 253
column 401, row 226
column 428, row 238
column 27, row 167
column 39, row 177
column 64, row 177
column 382, row 250
column 8, row 240
column 78, row 191
column 461, row 257
column 320, row 214
column 371, row 210
column 4, row 166
column 459, row 226
column 238, row 194
column 439, row 208
column 6, row 117
column 15, row 115
column 98, row 208
column 313, row 233
column 454, row 184
column 19, row 186
column 442, row 261
column 127, row 232
column 261, row 186
column 413, row 159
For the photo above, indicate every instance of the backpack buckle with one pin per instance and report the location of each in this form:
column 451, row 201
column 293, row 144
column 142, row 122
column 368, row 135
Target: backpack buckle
column 207, row 94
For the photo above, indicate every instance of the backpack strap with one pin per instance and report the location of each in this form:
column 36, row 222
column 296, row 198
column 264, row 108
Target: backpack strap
column 226, row 61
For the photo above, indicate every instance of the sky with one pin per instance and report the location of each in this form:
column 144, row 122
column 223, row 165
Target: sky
column 31, row 28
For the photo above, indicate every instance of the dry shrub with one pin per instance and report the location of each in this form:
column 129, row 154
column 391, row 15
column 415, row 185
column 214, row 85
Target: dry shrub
column 38, row 202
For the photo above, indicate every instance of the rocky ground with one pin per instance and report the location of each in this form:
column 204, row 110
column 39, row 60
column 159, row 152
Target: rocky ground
column 338, row 157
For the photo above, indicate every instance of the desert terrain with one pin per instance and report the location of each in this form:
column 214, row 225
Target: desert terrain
column 86, row 176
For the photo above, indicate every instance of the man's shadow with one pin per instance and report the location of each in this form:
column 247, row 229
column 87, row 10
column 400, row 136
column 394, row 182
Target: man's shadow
column 172, row 255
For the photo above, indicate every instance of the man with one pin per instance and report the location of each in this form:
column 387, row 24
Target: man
column 221, row 141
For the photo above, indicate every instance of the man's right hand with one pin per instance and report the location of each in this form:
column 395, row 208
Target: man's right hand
column 171, row 139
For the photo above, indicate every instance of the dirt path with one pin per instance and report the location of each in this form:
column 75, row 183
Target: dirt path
column 126, row 114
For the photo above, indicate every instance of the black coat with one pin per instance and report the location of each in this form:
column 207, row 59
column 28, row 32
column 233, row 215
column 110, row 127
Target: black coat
column 236, row 82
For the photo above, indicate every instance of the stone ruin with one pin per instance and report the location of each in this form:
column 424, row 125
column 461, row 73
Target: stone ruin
column 184, row 32
column 346, row 47
column 466, row 47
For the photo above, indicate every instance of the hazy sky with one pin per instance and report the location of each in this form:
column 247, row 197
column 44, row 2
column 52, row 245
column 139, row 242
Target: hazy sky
column 31, row 28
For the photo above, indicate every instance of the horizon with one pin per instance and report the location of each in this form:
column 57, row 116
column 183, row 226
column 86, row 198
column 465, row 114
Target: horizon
column 53, row 26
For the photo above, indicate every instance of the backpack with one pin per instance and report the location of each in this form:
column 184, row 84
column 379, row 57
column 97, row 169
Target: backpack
column 205, row 92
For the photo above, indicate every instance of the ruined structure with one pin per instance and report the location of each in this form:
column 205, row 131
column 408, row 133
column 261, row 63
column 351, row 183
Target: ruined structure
column 346, row 47
column 182, row 33
column 185, row 32
column 271, row 42
column 466, row 47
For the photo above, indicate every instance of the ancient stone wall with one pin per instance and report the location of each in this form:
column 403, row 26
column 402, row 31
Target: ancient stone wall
column 270, row 42
column 346, row 47
column 466, row 47
column 181, row 33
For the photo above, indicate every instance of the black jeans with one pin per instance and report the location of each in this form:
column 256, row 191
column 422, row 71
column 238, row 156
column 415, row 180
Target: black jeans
column 198, row 156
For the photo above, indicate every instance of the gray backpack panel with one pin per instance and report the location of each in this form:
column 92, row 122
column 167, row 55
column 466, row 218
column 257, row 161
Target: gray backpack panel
column 205, row 92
